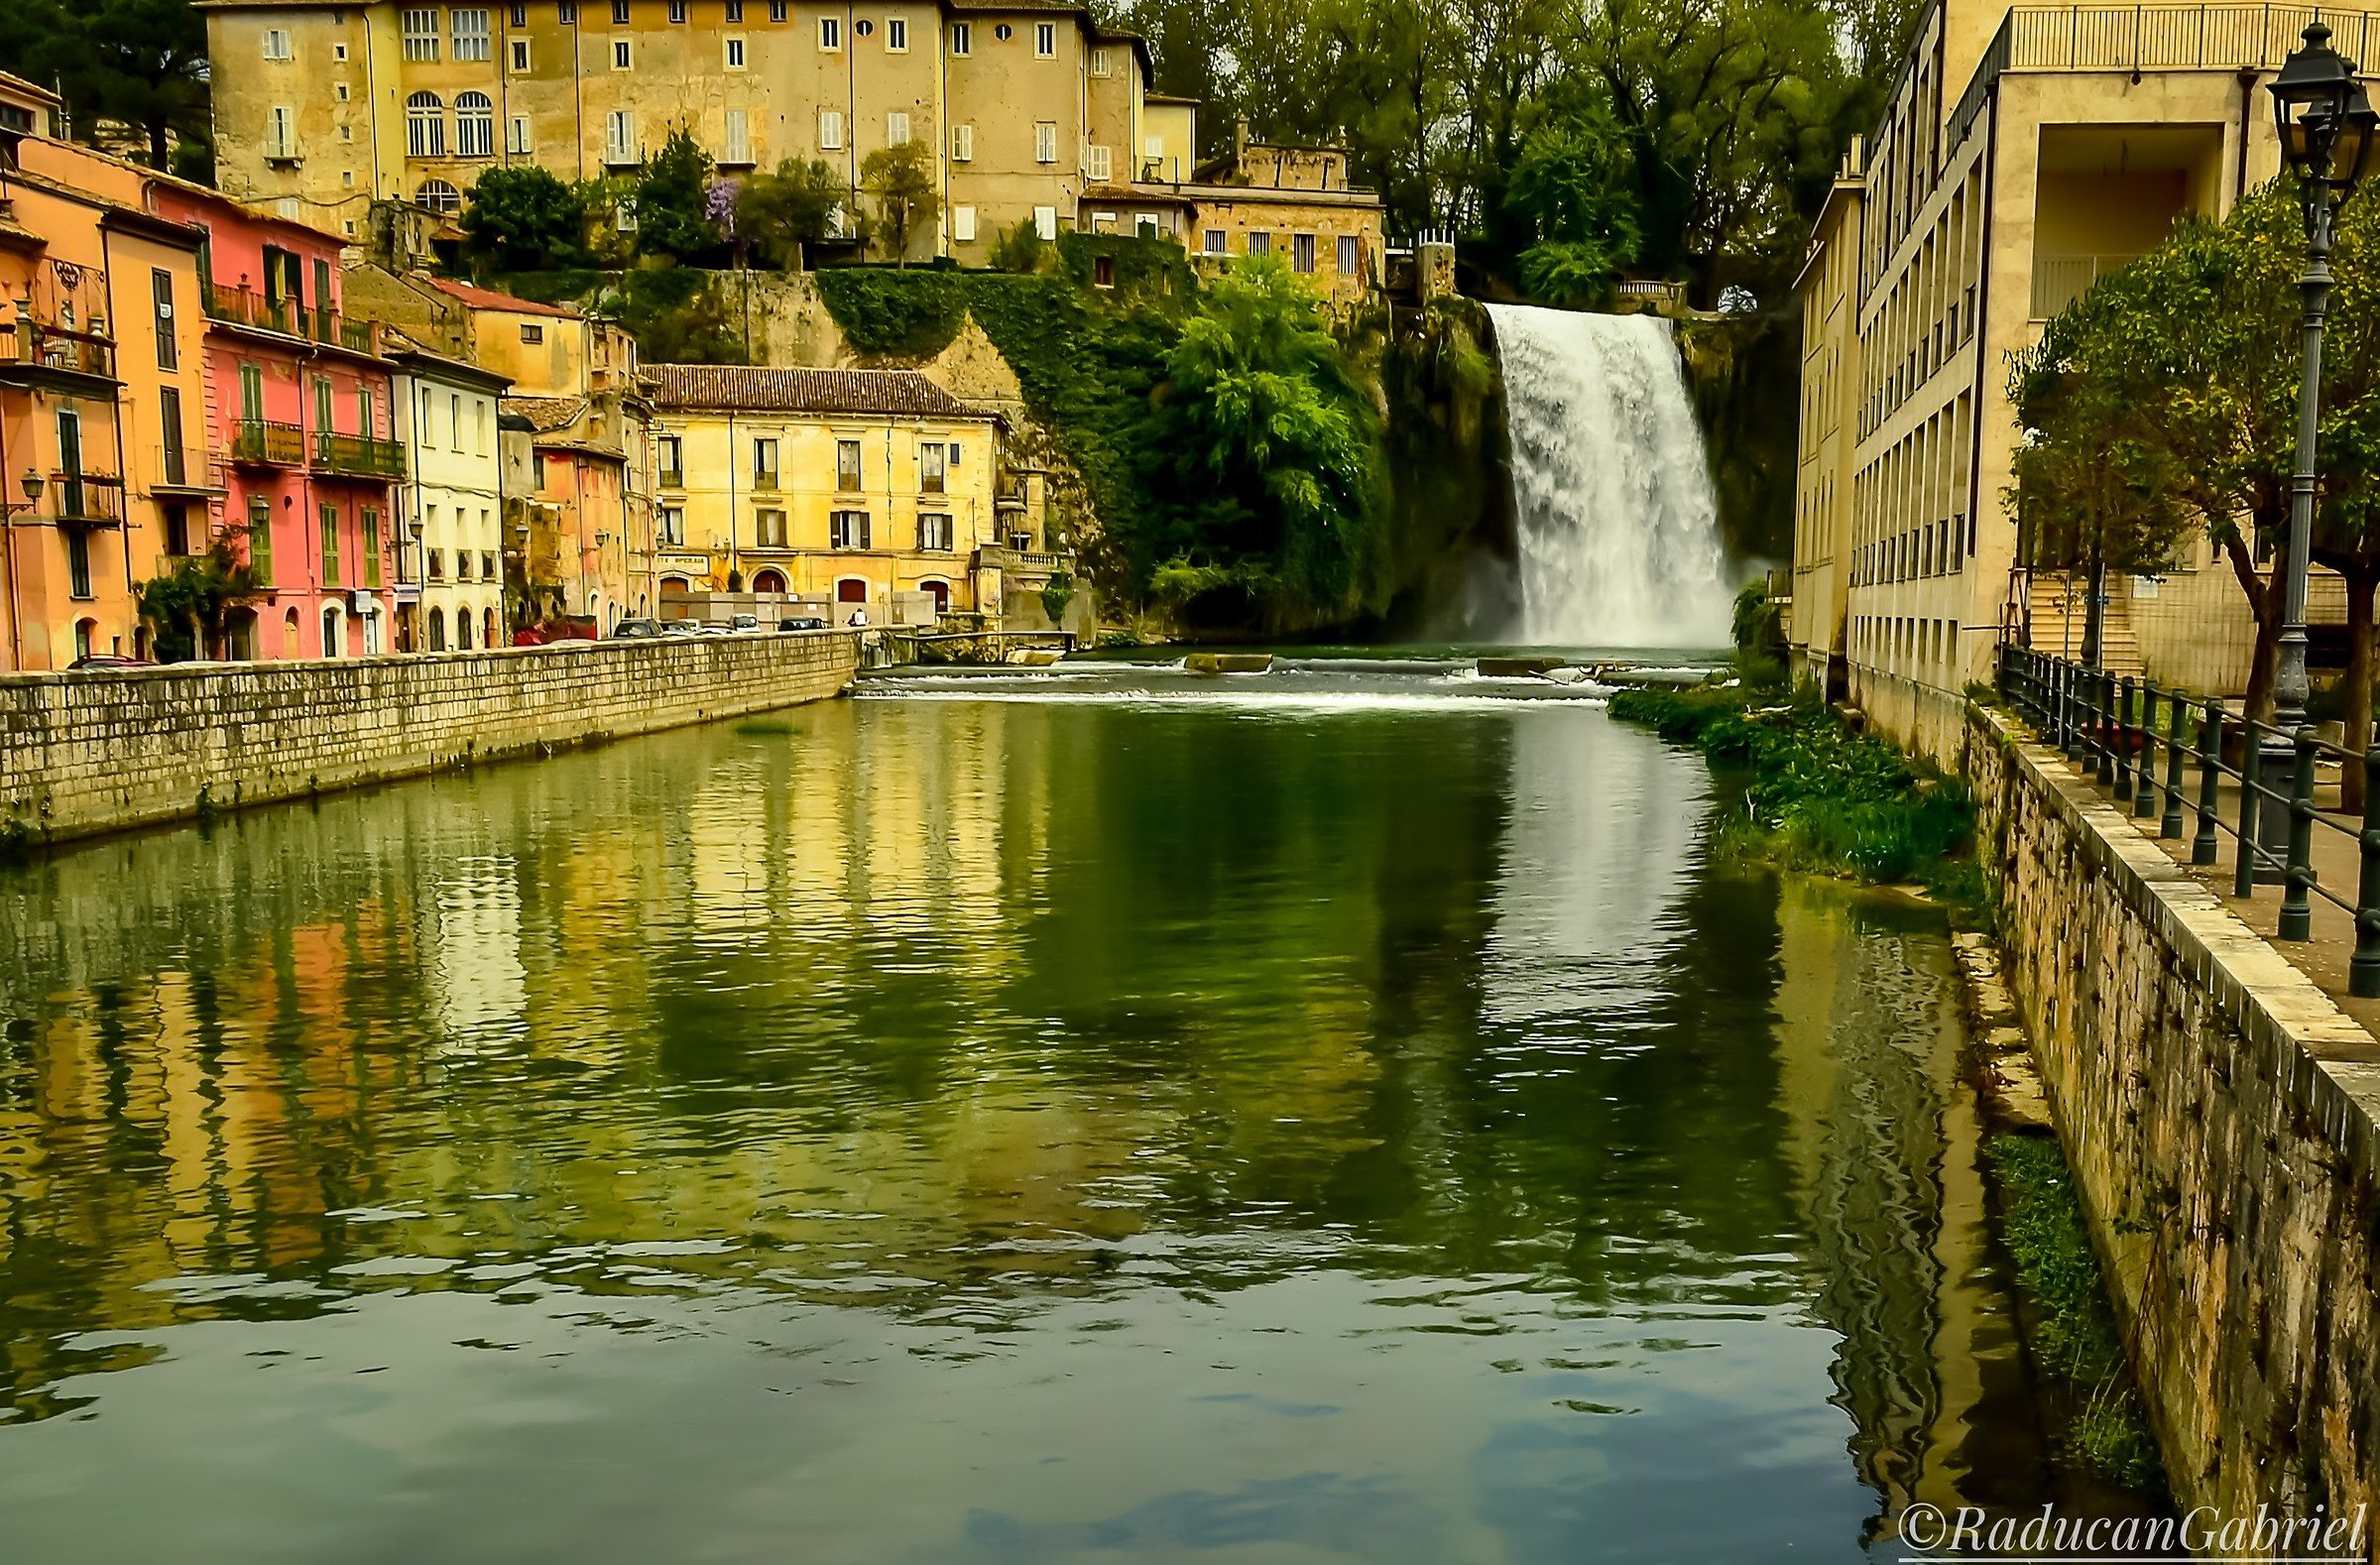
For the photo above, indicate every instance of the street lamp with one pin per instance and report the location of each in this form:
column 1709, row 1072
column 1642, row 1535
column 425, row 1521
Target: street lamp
column 2327, row 132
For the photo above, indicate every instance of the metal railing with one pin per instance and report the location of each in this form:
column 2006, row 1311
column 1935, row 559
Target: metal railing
column 86, row 499
column 358, row 455
column 2058, row 281
column 268, row 441
column 42, row 345
column 244, row 307
column 2163, row 753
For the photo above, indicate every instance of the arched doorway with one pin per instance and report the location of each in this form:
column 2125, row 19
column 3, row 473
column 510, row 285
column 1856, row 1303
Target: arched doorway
column 940, row 591
column 239, row 634
column 289, row 633
column 331, row 617
column 85, row 633
column 851, row 589
column 437, row 629
column 768, row 583
column 462, row 629
column 487, row 626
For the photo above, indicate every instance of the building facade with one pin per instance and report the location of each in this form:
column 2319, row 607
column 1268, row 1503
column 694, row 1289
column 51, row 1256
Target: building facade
column 865, row 489
column 450, row 562
column 2025, row 150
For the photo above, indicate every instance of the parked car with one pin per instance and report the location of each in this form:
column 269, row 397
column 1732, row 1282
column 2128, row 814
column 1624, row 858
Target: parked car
column 109, row 661
column 801, row 621
column 714, row 628
column 681, row 627
column 745, row 625
column 637, row 630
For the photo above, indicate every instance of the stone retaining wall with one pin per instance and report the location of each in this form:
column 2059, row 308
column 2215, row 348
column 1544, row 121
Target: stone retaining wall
column 2223, row 1118
column 85, row 753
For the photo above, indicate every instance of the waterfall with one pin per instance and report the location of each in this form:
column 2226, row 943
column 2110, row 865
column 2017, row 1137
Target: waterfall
column 1616, row 522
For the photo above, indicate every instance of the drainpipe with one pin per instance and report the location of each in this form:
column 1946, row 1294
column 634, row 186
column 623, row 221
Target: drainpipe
column 2247, row 118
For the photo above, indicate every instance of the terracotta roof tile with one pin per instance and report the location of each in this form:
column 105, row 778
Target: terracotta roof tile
column 489, row 298
column 882, row 392
column 546, row 413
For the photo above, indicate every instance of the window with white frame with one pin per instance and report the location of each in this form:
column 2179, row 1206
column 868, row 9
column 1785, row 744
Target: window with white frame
column 517, row 136
column 830, row 32
column 425, row 126
column 276, row 42
column 769, row 526
column 962, row 39
column 847, row 466
column 1101, row 163
column 619, row 13
column 1217, row 242
column 896, row 35
column 674, row 524
column 735, row 54
column 962, row 224
column 516, row 52
column 739, row 138
column 962, row 144
column 474, row 125
column 931, row 455
column 776, row 9
column 735, row 11
column 421, row 34
column 847, row 530
column 896, row 128
column 471, row 34
column 619, row 53
column 1098, row 61
column 1045, row 141
column 933, row 532
column 677, row 12
column 566, row 12
column 439, row 197
column 620, row 136
column 281, row 130
column 830, row 130
column 1045, row 39
column 1045, row 222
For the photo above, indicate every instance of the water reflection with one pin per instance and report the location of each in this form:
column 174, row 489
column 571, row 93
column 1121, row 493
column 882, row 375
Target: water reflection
column 1002, row 1130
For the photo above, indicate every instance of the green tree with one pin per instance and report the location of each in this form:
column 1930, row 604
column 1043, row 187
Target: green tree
column 142, row 62
column 673, row 198
column 185, row 605
column 900, row 183
column 780, row 214
column 524, row 219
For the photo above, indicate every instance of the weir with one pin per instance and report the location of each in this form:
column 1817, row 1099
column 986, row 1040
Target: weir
column 1615, row 520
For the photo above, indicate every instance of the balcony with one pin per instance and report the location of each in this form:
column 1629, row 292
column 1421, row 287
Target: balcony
column 262, row 442
column 87, row 500
column 182, row 470
column 2058, row 281
column 241, row 306
column 33, row 350
column 1008, row 494
column 671, row 478
column 765, row 481
column 359, row 456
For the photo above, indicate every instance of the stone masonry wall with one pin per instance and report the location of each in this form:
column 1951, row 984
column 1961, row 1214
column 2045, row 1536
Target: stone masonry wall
column 2222, row 1119
column 85, row 753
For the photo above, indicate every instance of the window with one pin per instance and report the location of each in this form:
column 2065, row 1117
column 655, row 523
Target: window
column 160, row 295
column 1045, row 141
column 330, row 632
column 770, row 527
column 739, row 139
column 671, row 453
column 462, row 629
column 252, row 392
column 896, row 128
column 520, row 55
column 532, row 333
column 1098, row 61
column 79, row 579
column 735, row 54
column 276, row 42
column 330, row 545
column 1301, row 253
column 566, row 12
column 421, row 34
column 776, row 9
column 962, row 38
column 962, row 224
column 516, row 134
column 830, row 130
column 425, row 126
column 619, row 13
column 763, row 462
column 1101, row 163
column 462, row 559
column 1349, row 262
column 830, row 32
column 674, row 524
column 474, row 125
column 1217, row 242
column 677, row 11
column 620, row 137
column 962, row 144
column 324, row 423
column 847, row 466
column 896, row 35
column 1260, row 244
column 281, row 132
column 470, row 34
column 260, row 539
column 933, row 532
column 619, row 53
column 178, row 527
column 1045, row 222
column 369, row 526
column 338, row 51
column 1045, row 39
column 734, row 10
column 954, row 453
column 515, row 14
column 439, row 197
column 847, row 530
column 168, row 422
column 930, row 458
column 487, row 556
column 454, row 419
column 1103, row 267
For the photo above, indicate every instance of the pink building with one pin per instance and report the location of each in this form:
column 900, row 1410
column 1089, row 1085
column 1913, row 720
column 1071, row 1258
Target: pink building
column 299, row 413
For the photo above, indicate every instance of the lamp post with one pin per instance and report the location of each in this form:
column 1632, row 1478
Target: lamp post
column 32, row 483
column 2327, row 132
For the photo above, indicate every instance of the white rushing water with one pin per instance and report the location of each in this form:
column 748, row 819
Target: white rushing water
column 1616, row 522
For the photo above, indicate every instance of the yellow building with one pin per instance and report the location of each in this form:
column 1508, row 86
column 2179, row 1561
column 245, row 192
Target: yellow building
column 2025, row 150
column 868, row 490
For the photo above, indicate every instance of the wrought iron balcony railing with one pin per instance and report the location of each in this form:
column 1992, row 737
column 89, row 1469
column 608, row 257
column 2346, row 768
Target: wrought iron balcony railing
column 86, row 499
column 267, row 442
column 359, row 456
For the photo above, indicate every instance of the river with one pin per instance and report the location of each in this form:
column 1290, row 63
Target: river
column 1336, row 1115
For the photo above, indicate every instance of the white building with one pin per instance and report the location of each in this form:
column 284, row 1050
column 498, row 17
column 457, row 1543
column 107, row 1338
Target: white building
column 452, row 504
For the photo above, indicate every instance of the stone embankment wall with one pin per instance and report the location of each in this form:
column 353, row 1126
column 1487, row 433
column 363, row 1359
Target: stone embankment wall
column 2223, row 1118
column 86, row 753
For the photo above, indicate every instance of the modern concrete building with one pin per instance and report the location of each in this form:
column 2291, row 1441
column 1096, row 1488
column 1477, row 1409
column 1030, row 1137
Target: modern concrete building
column 866, row 490
column 2025, row 150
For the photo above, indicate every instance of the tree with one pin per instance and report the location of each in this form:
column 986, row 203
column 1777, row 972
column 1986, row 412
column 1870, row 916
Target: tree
column 673, row 200
column 524, row 219
column 185, row 604
column 899, row 180
column 1576, row 216
column 142, row 62
column 779, row 214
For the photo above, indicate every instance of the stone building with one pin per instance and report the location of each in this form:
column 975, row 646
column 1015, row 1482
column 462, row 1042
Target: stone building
column 843, row 489
column 450, row 573
column 2024, row 150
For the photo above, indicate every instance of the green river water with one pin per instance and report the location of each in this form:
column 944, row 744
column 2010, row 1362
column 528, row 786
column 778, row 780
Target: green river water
column 1333, row 1115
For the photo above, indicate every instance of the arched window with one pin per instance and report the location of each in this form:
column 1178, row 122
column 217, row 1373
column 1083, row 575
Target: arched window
column 462, row 629
column 487, row 626
column 437, row 629
column 439, row 197
column 289, row 633
column 768, row 583
column 85, row 631
column 424, row 127
column 940, row 591
column 474, row 125
column 331, row 631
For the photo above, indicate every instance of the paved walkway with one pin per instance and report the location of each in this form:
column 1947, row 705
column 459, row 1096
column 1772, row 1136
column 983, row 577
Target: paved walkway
column 2323, row 957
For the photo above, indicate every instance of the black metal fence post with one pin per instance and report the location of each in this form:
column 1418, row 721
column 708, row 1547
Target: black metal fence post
column 2177, row 715
column 2111, row 727
column 2363, row 968
column 2203, row 846
column 2244, row 872
column 2144, row 786
column 2296, row 902
column 2070, row 707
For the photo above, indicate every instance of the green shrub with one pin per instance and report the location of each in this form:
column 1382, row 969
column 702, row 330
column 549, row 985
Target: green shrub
column 901, row 314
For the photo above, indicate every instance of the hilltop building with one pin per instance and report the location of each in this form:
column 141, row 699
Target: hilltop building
column 2025, row 150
